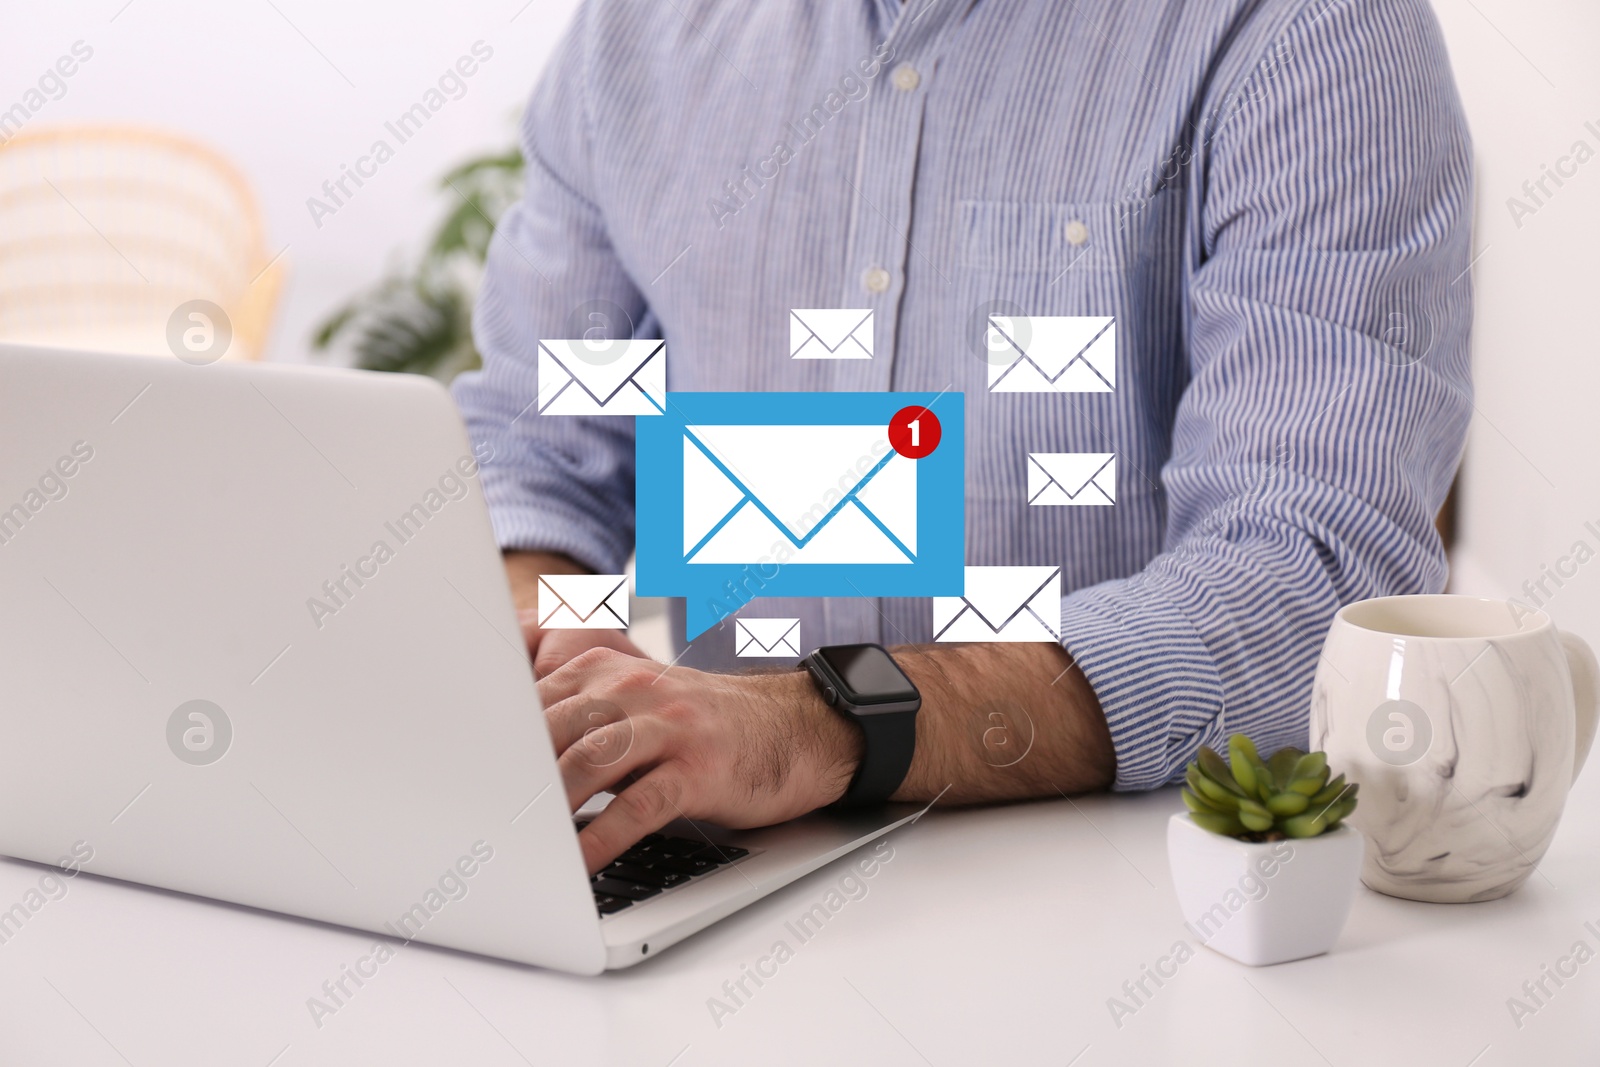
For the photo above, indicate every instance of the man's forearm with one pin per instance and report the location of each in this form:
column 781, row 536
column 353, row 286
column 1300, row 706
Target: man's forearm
column 1004, row 722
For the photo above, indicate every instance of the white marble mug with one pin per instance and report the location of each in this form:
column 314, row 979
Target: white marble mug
column 1465, row 720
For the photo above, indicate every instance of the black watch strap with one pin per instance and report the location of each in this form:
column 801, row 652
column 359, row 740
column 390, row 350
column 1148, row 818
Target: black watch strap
column 888, row 722
column 890, row 741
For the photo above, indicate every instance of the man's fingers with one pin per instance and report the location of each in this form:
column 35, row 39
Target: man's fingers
column 642, row 808
column 604, row 756
column 571, row 718
column 576, row 674
column 557, row 648
column 528, row 620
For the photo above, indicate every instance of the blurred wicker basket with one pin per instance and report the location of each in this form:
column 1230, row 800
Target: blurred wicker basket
column 105, row 231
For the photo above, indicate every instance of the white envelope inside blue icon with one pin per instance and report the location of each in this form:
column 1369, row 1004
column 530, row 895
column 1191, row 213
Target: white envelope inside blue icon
column 797, row 494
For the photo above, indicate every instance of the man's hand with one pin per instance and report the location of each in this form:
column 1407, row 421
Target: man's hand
column 998, row 722
column 737, row 750
column 549, row 649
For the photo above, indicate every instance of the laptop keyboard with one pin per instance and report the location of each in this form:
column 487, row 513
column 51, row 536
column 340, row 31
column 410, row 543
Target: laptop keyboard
column 656, row 864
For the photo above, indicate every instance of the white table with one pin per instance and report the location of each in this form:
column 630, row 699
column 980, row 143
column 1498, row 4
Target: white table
column 993, row 936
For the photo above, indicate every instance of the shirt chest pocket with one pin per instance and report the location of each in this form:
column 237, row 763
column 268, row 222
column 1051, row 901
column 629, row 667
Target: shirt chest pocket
column 1089, row 258
column 1118, row 258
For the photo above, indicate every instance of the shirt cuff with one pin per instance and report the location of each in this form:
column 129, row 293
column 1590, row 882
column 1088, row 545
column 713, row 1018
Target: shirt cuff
column 1156, row 680
column 523, row 527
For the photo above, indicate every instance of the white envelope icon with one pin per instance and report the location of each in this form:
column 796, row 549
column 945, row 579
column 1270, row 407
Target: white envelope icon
column 830, row 333
column 766, row 637
column 1075, row 479
column 822, row 494
column 1052, row 354
column 1002, row 604
column 583, row 601
column 602, row 377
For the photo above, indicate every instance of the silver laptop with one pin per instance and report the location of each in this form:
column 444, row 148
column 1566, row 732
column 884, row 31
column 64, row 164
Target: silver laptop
column 257, row 645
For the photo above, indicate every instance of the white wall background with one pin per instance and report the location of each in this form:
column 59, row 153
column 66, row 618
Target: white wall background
column 1529, row 75
column 292, row 89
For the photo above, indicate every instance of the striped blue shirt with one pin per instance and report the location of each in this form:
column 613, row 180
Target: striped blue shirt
column 1272, row 197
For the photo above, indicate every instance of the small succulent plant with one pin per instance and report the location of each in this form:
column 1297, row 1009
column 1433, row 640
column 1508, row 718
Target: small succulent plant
column 1286, row 795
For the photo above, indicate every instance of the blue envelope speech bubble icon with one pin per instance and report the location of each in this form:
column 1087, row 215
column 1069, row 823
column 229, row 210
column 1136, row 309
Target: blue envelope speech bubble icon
column 743, row 495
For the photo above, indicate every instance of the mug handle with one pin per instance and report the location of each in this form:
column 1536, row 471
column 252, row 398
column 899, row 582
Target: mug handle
column 1585, row 695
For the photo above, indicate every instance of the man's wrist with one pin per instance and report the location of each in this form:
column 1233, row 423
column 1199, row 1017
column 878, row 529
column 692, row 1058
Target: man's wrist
column 833, row 745
column 1004, row 722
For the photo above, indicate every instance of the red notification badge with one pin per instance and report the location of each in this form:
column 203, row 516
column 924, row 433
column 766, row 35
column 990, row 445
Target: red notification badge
column 914, row 432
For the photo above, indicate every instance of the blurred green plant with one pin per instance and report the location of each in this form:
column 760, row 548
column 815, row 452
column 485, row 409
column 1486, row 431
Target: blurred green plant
column 1286, row 795
column 419, row 320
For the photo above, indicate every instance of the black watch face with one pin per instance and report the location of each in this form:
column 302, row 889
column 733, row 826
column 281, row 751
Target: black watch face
column 870, row 675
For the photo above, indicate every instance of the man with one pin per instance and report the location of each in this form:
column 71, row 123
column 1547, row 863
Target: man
column 1271, row 196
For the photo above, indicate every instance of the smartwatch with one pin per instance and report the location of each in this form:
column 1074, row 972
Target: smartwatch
column 865, row 685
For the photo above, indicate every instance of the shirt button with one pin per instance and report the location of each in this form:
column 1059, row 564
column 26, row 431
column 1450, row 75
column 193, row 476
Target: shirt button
column 905, row 77
column 876, row 280
column 1076, row 232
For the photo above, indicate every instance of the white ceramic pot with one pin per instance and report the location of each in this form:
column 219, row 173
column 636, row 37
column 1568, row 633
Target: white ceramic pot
column 1267, row 902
